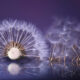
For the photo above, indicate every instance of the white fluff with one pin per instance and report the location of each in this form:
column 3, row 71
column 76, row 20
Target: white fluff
column 63, row 35
column 25, row 34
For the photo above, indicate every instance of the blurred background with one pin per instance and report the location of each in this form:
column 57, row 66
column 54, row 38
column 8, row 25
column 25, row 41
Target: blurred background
column 39, row 12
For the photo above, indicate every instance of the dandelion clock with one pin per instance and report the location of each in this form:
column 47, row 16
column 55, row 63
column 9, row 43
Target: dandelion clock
column 19, row 39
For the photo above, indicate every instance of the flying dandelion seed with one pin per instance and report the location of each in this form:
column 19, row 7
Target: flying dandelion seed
column 19, row 39
column 64, row 37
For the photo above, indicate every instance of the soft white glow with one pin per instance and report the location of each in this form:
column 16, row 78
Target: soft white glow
column 14, row 68
column 14, row 53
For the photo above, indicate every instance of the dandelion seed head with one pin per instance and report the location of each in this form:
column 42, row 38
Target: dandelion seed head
column 26, row 37
column 63, row 35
